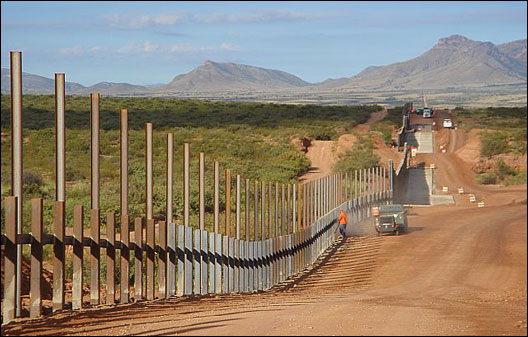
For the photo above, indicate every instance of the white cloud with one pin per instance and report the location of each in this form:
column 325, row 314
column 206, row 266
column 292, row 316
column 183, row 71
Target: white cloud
column 75, row 50
column 139, row 21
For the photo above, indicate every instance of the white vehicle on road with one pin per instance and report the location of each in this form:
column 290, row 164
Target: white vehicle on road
column 447, row 123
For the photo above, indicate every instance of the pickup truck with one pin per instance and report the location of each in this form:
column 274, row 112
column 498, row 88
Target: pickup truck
column 447, row 123
column 390, row 219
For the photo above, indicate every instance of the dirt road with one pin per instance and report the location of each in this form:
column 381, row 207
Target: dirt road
column 461, row 270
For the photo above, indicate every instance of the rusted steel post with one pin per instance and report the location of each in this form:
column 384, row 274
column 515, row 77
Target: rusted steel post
column 288, row 211
column 238, row 207
column 270, row 207
column 201, row 183
column 227, row 202
column 60, row 141
column 263, row 210
column 149, row 171
column 162, row 261
column 150, row 259
column 58, row 255
column 110, row 258
column 125, row 222
column 169, row 178
column 247, row 195
column 216, row 197
column 294, row 209
column 283, row 209
column 35, row 293
column 355, row 184
column 346, row 184
column 255, row 211
column 276, row 210
column 78, row 248
column 10, row 260
column 17, row 162
column 94, row 130
column 95, row 255
column 123, row 154
column 186, row 183
column 299, row 206
column 304, row 205
column 138, row 259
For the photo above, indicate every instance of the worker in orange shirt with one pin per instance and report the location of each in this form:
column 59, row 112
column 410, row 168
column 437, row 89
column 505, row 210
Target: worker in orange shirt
column 342, row 223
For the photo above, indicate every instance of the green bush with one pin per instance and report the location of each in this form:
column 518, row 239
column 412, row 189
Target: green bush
column 503, row 170
column 517, row 179
column 487, row 178
column 493, row 143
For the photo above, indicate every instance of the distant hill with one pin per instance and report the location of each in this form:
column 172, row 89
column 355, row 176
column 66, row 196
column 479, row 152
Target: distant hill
column 453, row 62
column 515, row 49
column 213, row 77
column 35, row 84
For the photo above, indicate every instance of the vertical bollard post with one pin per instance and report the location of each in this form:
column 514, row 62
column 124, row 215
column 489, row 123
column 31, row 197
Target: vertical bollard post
column 125, row 221
column 60, row 139
column 149, row 171
column 270, row 207
column 58, row 256
column 162, row 259
column 94, row 205
column 78, row 237
column 216, row 206
column 138, row 259
column 246, row 212
column 255, row 211
column 283, row 205
column 201, row 169
column 110, row 258
column 169, row 178
column 95, row 256
column 10, row 259
column 150, row 259
column 238, row 214
column 35, row 293
column 263, row 211
column 17, row 164
column 277, row 210
column 227, row 202
column 294, row 209
column 186, row 183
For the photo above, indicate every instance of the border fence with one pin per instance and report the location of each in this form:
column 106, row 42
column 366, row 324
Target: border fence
column 286, row 227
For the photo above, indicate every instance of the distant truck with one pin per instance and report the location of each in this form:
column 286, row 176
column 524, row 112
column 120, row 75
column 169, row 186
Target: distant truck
column 447, row 123
column 390, row 219
column 427, row 113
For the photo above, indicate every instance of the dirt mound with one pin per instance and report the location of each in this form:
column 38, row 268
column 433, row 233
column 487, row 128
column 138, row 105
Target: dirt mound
column 345, row 143
column 301, row 143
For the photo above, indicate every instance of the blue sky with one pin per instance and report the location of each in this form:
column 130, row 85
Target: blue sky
column 151, row 42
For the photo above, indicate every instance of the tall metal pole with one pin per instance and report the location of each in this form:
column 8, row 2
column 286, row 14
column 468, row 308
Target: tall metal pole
column 186, row 181
column 94, row 98
column 125, row 222
column 238, row 206
column 201, row 169
column 60, row 139
column 263, row 210
column 149, row 169
column 227, row 201
column 246, row 194
column 170, row 162
column 216, row 197
column 16, row 159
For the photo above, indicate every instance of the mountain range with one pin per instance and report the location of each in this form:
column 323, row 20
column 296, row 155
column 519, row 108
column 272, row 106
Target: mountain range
column 455, row 61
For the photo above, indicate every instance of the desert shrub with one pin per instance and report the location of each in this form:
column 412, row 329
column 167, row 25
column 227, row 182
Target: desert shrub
column 503, row 170
column 493, row 143
column 487, row 178
column 517, row 179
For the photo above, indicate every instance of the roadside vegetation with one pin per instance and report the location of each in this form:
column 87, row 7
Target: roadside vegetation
column 504, row 140
column 251, row 139
column 360, row 157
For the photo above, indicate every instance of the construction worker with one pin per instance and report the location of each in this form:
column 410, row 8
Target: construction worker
column 342, row 223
